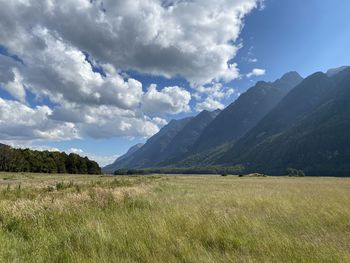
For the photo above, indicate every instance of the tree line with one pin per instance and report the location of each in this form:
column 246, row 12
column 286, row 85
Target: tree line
column 26, row 160
column 215, row 169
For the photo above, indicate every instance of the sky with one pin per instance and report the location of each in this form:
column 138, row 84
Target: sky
column 95, row 77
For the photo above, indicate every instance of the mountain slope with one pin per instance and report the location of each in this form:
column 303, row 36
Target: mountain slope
column 168, row 145
column 185, row 139
column 309, row 130
column 243, row 114
column 237, row 119
column 334, row 71
column 151, row 153
column 112, row 167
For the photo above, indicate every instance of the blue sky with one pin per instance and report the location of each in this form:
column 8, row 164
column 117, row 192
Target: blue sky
column 276, row 37
column 306, row 36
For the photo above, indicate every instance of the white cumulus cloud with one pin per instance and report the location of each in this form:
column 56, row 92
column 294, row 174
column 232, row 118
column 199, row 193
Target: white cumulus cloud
column 193, row 39
column 63, row 43
column 256, row 73
column 20, row 122
column 168, row 100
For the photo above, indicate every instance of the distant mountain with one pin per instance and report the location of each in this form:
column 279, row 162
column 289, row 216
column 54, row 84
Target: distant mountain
column 152, row 152
column 309, row 130
column 290, row 123
column 185, row 139
column 112, row 167
column 169, row 144
column 131, row 151
column 242, row 115
column 334, row 71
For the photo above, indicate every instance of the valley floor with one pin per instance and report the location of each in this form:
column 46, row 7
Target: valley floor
column 65, row 218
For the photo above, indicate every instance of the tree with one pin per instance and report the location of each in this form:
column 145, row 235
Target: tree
column 93, row 167
column 26, row 160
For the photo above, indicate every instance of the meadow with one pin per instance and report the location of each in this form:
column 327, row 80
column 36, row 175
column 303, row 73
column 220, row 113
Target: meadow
column 160, row 218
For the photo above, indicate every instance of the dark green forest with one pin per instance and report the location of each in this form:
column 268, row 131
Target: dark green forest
column 26, row 160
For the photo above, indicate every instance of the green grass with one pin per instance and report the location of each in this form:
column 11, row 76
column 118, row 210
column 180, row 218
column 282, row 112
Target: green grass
column 63, row 218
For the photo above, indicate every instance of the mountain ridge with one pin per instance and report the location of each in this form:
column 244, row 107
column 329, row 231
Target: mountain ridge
column 113, row 166
column 293, row 134
column 150, row 152
column 289, row 123
column 239, row 117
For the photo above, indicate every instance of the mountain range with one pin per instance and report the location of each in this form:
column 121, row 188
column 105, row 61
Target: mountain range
column 171, row 142
column 289, row 123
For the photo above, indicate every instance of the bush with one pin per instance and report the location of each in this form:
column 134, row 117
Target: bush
column 295, row 172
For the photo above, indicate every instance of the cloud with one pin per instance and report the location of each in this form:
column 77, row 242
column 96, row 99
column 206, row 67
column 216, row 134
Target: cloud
column 209, row 104
column 168, row 100
column 159, row 121
column 29, row 145
column 107, row 121
column 213, row 94
column 262, row 4
column 98, row 106
column 256, row 72
column 10, row 78
column 61, row 72
column 196, row 36
column 250, row 57
column 16, row 87
column 252, row 60
column 216, row 91
column 75, row 55
column 102, row 160
column 20, row 122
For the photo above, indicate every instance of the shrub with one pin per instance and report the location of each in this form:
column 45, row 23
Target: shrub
column 295, row 172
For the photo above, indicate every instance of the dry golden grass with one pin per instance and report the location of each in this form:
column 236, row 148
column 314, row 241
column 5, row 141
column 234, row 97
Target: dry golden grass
column 53, row 218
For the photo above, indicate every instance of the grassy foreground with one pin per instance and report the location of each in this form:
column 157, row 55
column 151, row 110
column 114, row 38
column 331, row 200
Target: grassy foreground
column 61, row 218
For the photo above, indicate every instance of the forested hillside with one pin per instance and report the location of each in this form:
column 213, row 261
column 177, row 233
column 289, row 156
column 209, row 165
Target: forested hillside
column 26, row 160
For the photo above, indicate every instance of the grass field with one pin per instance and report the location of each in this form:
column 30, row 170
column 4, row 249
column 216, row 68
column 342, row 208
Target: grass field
column 64, row 218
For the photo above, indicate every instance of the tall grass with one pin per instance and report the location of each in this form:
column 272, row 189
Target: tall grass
column 174, row 219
